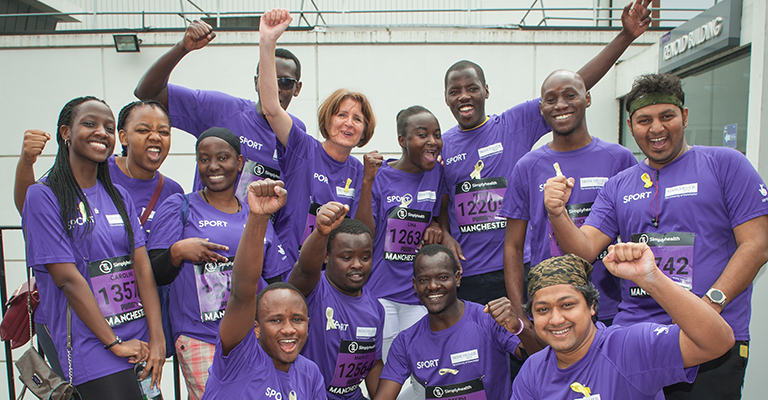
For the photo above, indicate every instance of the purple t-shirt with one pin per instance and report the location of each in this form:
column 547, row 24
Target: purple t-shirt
column 102, row 257
column 141, row 190
column 477, row 164
column 694, row 239
column 590, row 166
column 403, row 206
column 195, row 111
column 249, row 373
column 312, row 178
column 200, row 292
column 622, row 363
column 345, row 337
column 471, row 356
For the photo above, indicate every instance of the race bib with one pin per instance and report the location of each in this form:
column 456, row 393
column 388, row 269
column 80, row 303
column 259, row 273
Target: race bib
column 356, row 358
column 213, row 281
column 578, row 214
column 309, row 226
column 477, row 203
column 472, row 390
column 674, row 256
column 405, row 229
column 114, row 287
column 253, row 171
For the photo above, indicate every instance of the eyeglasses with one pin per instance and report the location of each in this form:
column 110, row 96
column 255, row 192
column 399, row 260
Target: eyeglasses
column 286, row 83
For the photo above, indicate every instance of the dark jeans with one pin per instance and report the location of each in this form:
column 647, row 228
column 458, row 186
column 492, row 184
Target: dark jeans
column 483, row 288
column 721, row 378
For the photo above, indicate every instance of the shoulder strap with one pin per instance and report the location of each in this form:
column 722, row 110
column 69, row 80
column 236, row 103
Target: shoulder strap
column 151, row 205
column 184, row 212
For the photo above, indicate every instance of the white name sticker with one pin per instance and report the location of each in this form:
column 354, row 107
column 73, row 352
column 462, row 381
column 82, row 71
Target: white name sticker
column 690, row 189
column 348, row 193
column 465, row 357
column 114, row 219
column 595, row 182
column 490, row 150
column 366, row 332
column 427, row 195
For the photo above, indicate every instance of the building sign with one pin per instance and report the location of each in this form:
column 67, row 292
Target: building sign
column 708, row 33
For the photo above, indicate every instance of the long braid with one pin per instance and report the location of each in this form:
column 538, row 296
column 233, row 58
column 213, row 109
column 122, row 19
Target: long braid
column 102, row 175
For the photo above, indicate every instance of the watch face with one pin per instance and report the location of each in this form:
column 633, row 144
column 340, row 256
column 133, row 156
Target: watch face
column 716, row 296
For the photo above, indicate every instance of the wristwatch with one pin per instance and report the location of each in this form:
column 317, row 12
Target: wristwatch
column 717, row 296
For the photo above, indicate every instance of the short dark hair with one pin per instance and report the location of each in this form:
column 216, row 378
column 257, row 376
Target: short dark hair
column 590, row 293
column 462, row 65
column 351, row 226
column 434, row 249
column 405, row 115
column 286, row 55
column 275, row 286
column 655, row 83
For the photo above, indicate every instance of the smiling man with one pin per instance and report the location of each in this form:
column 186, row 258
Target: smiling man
column 704, row 212
column 589, row 160
column 262, row 361
column 587, row 360
column 459, row 348
column 346, row 339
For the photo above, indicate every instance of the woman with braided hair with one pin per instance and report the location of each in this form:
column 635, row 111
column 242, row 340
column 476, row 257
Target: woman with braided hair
column 86, row 247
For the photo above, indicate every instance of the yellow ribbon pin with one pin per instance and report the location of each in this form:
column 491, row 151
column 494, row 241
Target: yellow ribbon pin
column 558, row 171
column 331, row 324
column 579, row 388
column 82, row 210
column 292, row 395
column 647, row 179
column 406, row 201
column 444, row 371
column 346, row 187
column 478, row 167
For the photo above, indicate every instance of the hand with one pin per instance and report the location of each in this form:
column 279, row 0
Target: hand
column 557, row 191
column 155, row 362
column 266, row 196
column 134, row 350
column 198, row 250
column 372, row 161
column 632, row 261
column 197, row 35
column 432, row 235
column 636, row 17
column 329, row 217
column 33, row 145
column 455, row 248
column 502, row 311
column 273, row 23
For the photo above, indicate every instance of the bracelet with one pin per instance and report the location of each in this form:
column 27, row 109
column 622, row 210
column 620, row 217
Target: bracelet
column 519, row 331
column 116, row 342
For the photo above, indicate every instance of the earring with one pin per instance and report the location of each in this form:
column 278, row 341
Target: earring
column 66, row 142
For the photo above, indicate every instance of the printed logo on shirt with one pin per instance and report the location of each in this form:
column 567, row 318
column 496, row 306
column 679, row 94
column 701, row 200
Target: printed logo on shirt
column 80, row 221
column 211, row 224
column 427, row 363
column 332, row 323
column 345, row 192
column 690, row 189
column 456, row 158
column 426, row 195
column 321, row 178
column 465, row 357
column 662, row 329
column 407, row 198
column 595, row 182
column 762, row 190
column 114, row 220
column 365, row 332
column 272, row 393
column 488, row 151
column 251, row 143
column 637, row 196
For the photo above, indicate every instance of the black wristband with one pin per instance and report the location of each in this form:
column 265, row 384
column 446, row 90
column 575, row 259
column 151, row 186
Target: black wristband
column 113, row 344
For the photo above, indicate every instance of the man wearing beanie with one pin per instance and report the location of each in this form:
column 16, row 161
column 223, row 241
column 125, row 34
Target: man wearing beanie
column 588, row 360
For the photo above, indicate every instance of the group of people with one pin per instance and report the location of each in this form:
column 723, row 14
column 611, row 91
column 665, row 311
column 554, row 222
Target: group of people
column 471, row 265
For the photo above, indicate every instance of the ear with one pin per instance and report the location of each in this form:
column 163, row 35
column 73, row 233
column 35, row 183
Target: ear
column 297, row 89
column 589, row 99
column 123, row 138
column 239, row 163
column 401, row 141
column 256, row 83
column 257, row 330
column 629, row 125
column 325, row 260
column 458, row 278
column 413, row 279
column 64, row 131
column 541, row 108
column 487, row 92
column 592, row 310
column 685, row 117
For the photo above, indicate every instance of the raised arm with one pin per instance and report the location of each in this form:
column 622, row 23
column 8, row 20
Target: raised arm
column 154, row 84
column 586, row 242
column 273, row 23
column 306, row 272
column 265, row 197
column 32, row 147
column 635, row 20
column 704, row 334
column 372, row 161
